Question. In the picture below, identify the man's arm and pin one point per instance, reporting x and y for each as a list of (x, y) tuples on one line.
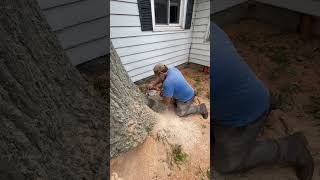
[(167, 100), (154, 84), (167, 93)]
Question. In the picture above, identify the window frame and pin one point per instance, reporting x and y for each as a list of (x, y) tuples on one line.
[(171, 27)]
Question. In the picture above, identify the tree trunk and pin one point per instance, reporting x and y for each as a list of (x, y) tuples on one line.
[(52, 124), (131, 118)]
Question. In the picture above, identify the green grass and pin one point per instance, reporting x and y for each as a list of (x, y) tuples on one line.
[(280, 57), (285, 97), (208, 173), (282, 64), (197, 79), (197, 84), (178, 155), (148, 129), (290, 88), (203, 174)]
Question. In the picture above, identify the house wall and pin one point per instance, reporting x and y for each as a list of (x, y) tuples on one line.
[(306, 6), (200, 50), (140, 50), (230, 15), (220, 5), (80, 25), (316, 29), (311, 7)]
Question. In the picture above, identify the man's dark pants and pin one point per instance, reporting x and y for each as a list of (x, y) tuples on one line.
[(236, 148), (187, 108)]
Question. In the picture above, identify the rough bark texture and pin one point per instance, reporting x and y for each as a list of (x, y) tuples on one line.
[(131, 118), (52, 125)]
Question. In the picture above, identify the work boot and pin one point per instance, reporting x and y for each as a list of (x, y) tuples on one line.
[(204, 111), (305, 165), (293, 150)]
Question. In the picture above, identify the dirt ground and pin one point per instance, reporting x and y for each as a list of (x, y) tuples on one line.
[(156, 158), (290, 67)]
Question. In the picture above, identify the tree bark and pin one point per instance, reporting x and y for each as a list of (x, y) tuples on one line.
[(131, 118), (53, 125)]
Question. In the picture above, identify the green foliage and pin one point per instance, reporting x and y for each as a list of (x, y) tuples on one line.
[(148, 129), (197, 79), (203, 174), (280, 57), (290, 88), (285, 97), (197, 84), (178, 155), (208, 173)]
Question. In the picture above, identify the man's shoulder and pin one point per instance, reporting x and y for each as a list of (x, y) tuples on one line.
[(174, 69), (167, 82)]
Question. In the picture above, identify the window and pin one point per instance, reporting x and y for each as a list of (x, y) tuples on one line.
[(168, 14), (162, 15)]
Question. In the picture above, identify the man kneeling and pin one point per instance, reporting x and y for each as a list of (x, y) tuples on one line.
[(176, 89), (240, 107)]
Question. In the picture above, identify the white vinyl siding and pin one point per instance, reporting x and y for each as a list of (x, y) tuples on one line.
[(140, 50), (200, 49), (80, 25)]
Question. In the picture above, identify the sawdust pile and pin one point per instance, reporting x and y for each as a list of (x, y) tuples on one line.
[(172, 130)]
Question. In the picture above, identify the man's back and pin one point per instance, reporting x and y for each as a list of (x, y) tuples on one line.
[(238, 96), (176, 86)]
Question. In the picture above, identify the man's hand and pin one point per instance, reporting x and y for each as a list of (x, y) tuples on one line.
[(152, 87), (149, 86)]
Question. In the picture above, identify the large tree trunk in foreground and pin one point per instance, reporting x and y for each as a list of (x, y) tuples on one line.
[(131, 118), (52, 125)]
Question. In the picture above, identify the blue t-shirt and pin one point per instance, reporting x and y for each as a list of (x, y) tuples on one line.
[(176, 86), (238, 97)]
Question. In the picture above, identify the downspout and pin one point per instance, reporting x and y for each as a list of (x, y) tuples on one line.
[(192, 27)]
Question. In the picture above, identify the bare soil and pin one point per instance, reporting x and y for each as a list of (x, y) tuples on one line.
[(154, 159), (290, 67)]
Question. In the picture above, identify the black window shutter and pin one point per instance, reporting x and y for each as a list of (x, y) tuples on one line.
[(145, 15), (189, 14)]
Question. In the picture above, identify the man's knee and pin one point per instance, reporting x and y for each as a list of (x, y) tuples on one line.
[(226, 166), (181, 110), (181, 113), (225, 163)]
